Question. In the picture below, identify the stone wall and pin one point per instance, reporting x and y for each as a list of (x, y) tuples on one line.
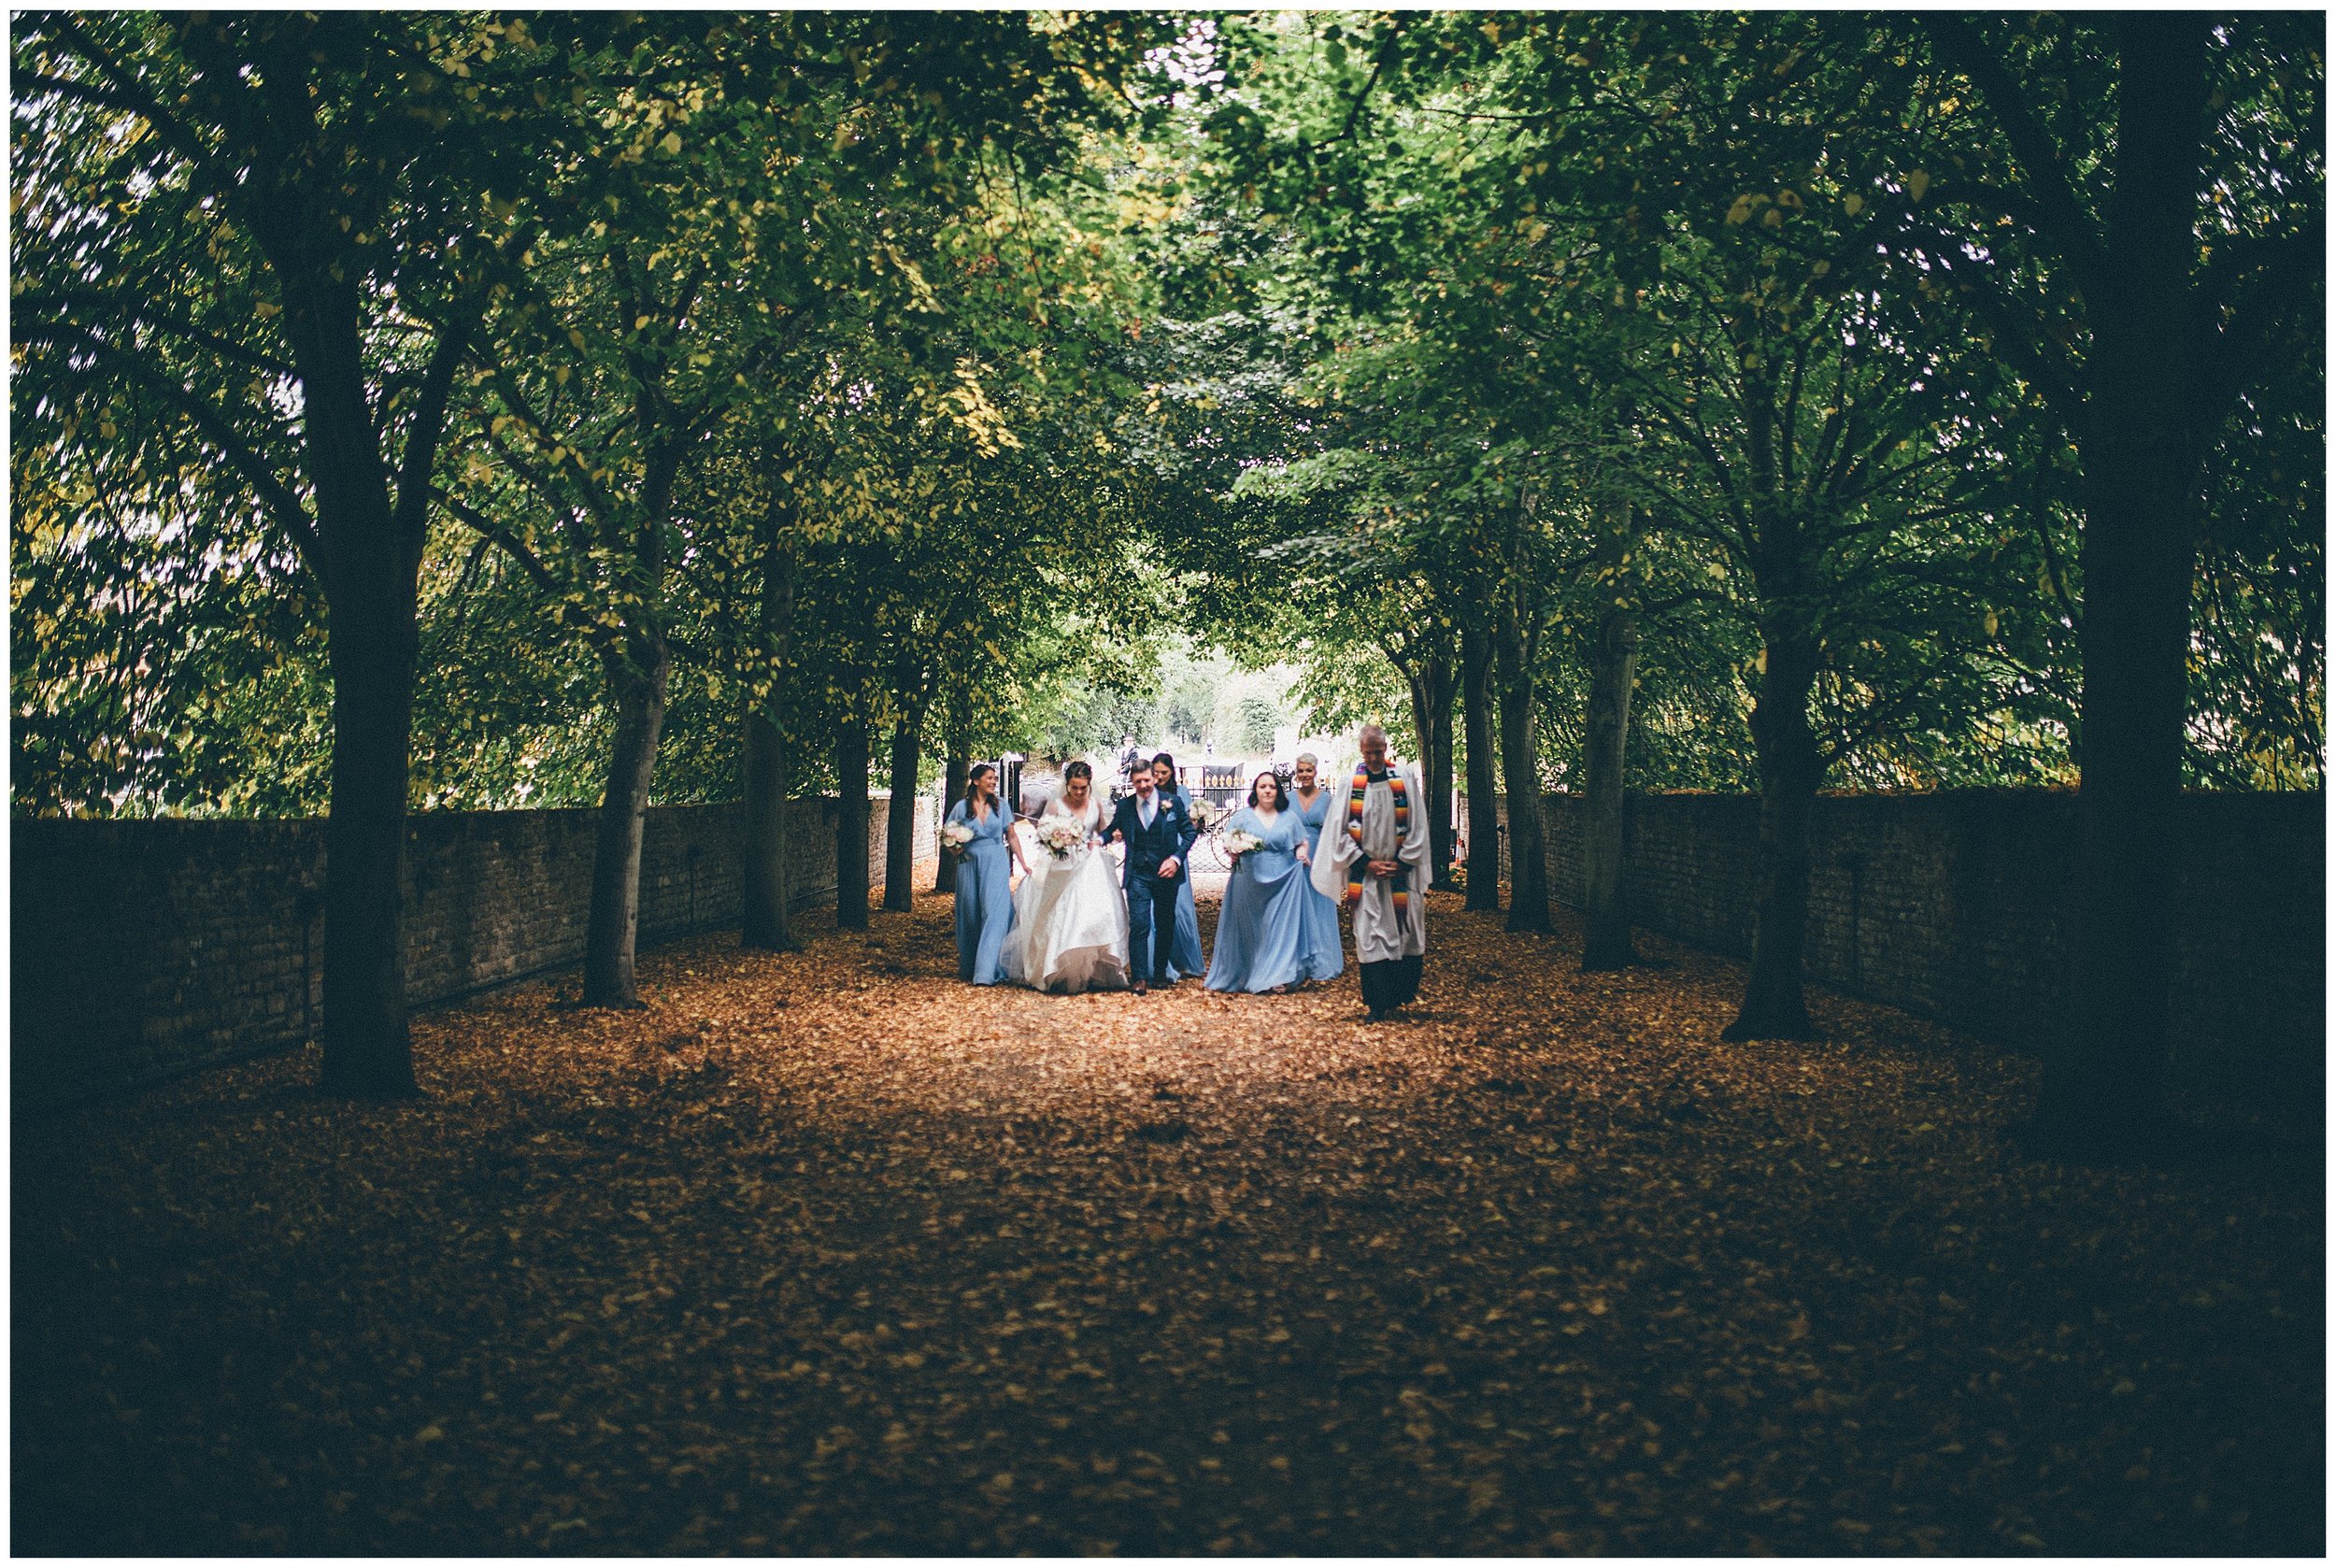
[(1954, 905), (146, 950)]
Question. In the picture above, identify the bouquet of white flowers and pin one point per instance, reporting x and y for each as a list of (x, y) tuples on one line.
[(1060, 835), (1204, 813), (1238, 841), (956, 836)]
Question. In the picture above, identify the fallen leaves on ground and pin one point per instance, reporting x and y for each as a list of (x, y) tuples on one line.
[(825, 1252)]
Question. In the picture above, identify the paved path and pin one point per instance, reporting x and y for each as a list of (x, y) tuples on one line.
[(827, 1253)]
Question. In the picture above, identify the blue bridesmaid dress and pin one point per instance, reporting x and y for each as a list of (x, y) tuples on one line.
[(985, 896), (1185, 957), (1261, 931), (1325, 956)]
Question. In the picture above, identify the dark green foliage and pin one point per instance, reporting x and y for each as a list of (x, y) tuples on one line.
[(1427, 265)]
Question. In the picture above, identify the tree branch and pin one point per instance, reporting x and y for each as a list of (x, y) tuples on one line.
[(135, 99), (2059, 214), (2259, 315), (2058, 382), (425, 429), (216, 428), (135, 312), (597, 501), (490, 530), (1379, 68)]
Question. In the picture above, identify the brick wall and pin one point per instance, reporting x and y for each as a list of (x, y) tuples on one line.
[(1953, 906), (146, 950)]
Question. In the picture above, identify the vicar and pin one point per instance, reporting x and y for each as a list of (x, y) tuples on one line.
[(1373, 855)]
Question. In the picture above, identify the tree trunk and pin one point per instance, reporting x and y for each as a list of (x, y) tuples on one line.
[(1520, 770), (852, 826), (1415, 681), (638, 678), (1774, 1008), (370, 554), (1483, 772), (1426, 661), (900, 819), (959, 763), (767, 925), (2142, 485), (373, 646), (613, 926), (1432, 714), (1605, 925)]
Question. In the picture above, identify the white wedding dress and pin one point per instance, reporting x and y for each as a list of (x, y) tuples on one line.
[(1070, 916)]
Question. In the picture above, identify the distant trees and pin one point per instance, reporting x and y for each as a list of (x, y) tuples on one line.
[(1255, 720)]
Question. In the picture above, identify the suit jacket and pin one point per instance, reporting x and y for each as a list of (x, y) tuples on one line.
[(1172, 832)]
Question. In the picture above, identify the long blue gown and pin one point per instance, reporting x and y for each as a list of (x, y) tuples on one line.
[(985, 897), (1326, 957), (1262, 932), (1185, 957)]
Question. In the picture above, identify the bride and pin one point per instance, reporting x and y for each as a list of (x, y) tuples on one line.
[(1070, 918)]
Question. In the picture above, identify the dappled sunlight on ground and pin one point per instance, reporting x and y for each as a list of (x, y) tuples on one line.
[(828, 1253)]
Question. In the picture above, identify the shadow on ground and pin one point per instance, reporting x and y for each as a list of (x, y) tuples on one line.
[(827, 1253)]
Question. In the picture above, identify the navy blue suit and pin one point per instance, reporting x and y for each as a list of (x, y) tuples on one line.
[(1151, 897)]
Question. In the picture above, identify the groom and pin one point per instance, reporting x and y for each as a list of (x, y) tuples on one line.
[(1158, 834)]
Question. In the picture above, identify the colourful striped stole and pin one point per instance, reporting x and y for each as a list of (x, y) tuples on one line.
[(1401, 881)]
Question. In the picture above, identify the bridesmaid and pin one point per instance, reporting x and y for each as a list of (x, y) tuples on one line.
[(1185, 957), (1311, 805), (985, 897), (1261, 931)]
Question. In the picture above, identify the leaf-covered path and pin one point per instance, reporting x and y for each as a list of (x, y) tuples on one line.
[(827, 1253)]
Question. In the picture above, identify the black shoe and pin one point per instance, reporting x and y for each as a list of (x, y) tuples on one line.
[(1374, 1015)]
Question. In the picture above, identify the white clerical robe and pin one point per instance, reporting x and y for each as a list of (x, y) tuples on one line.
[(1378, 938)]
